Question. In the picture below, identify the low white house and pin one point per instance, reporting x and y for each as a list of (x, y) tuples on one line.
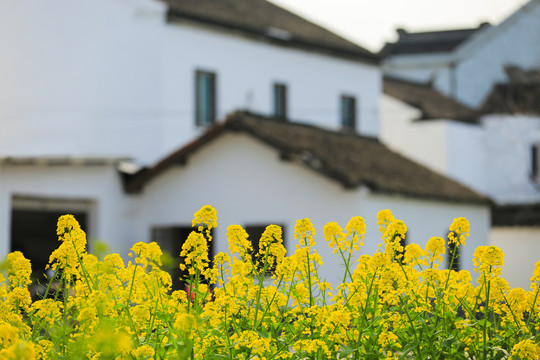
[(258, 171), (485, 133), (93, 109)]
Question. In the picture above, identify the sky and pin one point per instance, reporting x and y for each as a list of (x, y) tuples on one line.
[(371, 23)]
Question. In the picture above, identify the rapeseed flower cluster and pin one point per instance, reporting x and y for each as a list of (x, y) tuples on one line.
[(399, 303)]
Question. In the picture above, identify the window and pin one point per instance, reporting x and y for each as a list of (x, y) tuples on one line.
[(348, 112), (255, 232), (280, 101), (205, 98), (534, 162)]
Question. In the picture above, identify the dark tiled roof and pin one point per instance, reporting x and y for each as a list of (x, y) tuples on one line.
[(520, 95), (427, 42), (347, 158), (513, 99), (516, 215), (264, 20), (432, 103)]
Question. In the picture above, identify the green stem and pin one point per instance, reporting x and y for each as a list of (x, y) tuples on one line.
[(486, 313)]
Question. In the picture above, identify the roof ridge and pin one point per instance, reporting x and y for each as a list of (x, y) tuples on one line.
[(297, 30), (345, 132), (358, 162)]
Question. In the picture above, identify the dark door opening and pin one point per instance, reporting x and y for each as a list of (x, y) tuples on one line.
[(33, 232), (170, 240)]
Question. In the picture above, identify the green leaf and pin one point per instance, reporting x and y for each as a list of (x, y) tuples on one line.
[(347, 351), (483, 322)]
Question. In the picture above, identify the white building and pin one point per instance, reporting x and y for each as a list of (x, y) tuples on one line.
[(492, 146), (466, 64), (98, 94)]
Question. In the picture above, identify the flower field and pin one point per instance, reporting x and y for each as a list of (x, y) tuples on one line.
[(395, 304)]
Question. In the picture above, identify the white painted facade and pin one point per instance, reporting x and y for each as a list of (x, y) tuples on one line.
[(518, 264), (469, 72), (110, 78), (508, 154), (494, 157), (454, 149), (226, 174)]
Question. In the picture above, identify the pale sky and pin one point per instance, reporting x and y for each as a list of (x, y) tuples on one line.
[(371, 23)]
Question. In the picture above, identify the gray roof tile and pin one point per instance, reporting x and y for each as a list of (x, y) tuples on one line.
[(264, 20), (347, 158)]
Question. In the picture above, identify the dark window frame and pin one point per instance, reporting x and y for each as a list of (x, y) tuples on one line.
[(280, 94), (534, 162), (348, 114), (199, 120)]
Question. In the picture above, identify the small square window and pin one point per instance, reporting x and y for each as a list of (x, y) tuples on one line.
[(280, 101), (205, 98), (348, 112)]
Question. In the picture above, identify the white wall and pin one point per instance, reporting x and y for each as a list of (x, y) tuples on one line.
[(111, 212), (247, 184), (508, 147), (80, 78), (521, 247), (246, 70), (452, 148), (111, 78), (424, 141)]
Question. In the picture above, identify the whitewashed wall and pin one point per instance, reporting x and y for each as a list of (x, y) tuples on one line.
[(246, 70), (228, 174), (110, 211), (80, 78), (508, 147), (111, 78), (454, 149), (424, 142), (521, 247), (494, 158)]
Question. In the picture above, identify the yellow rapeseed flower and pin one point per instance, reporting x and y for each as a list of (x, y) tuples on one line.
[(526, 350), (435, 249), (384, 217), (205, 218), (458, 231), (18, 269), (304, 232), (238, 241), (334, 236), (488, 260)]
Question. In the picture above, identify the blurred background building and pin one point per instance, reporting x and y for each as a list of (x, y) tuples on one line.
[(132, 114)]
